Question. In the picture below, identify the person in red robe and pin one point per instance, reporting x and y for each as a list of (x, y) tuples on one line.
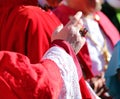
[(100, 32), (57, 74), (26, 28)]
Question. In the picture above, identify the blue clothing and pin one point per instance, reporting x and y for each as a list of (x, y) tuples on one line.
[(112, 81)]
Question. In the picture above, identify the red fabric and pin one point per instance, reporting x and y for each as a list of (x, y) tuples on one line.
[(109, 29), (83, 88), (64, 13), (17, 2), (26, 29), (19, 79)]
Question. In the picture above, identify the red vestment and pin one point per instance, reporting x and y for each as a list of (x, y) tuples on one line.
[(21, 79), (25, 28)]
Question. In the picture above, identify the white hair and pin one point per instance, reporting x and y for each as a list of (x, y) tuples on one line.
[(43, 2), (114, 3)]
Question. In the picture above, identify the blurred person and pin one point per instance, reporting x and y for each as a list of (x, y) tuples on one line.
[(26, 28), (111, 8), (101, 38), (112, 74), (56, 76)]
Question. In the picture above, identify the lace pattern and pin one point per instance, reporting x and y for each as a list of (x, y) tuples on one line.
[(70, 89)]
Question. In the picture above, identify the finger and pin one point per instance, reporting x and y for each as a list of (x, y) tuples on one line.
[(75, 19), (55, 33), (77, 22), (78, 15), (58, 29), (100, 91), (95, 86)]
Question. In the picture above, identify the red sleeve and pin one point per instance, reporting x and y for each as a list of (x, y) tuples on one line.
[(84, 89), (20, 79)]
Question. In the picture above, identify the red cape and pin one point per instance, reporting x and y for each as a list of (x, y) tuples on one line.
[(19, 79), (26, 29)]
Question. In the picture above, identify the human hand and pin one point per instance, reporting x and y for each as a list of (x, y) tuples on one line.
[(70, 32), (98, 83)]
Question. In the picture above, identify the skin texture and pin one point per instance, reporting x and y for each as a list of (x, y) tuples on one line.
[(86, 6), (70, 33)]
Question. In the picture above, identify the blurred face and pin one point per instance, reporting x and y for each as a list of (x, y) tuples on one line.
[(86, 6)]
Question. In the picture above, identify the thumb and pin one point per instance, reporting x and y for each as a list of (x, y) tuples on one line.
[(55, 33)]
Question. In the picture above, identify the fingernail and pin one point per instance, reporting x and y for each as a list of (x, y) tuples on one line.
[(78, 15)]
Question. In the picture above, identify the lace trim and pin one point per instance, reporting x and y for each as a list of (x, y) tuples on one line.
[(70, 89)]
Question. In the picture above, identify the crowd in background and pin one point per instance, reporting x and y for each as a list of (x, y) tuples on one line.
[(60, 49)]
